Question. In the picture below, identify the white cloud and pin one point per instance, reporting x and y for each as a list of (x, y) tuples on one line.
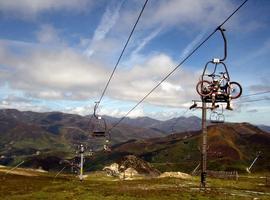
[(63, 73), (53, 73), (23, 105), (168, 87), (48, 34), (79, 110), (108, 20), (192, 44), (30, 8), (116, 112), (257, 53), (160, 17), (146, 40), (183, 13)]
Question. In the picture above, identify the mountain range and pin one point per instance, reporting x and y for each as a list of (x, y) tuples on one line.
[(25, 133), (44, 139)]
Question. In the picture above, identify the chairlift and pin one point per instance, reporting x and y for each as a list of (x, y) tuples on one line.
[(98, 129), (98, 126), (91, 153), (216, 117), (217, 86)]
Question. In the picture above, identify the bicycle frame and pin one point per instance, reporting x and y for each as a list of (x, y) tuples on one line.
[(220, 80)]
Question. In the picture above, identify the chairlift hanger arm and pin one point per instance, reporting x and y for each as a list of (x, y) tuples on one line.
[(222, 30), (95, 109), (219, 61)]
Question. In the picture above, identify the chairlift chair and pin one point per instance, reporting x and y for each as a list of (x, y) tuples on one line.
[(222, 93), (99, 127), (216, 117)]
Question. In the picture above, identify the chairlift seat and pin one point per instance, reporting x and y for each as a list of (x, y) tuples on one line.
[(217, 121), (98, 134), (220, 98)]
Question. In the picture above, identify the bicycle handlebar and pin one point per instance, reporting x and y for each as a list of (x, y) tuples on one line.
[(213, 75), (222, 73), (216, 75)]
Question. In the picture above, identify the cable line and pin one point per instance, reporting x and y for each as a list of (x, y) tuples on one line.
[(258, 93), (186, 58), (249, 95), (253, 100), (122, 52)]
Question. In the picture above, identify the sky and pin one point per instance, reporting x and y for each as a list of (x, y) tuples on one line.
[(57, 55)]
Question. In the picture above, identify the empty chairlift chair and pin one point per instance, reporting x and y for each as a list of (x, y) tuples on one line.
[(216, 117), (98, 130), (98, 127)]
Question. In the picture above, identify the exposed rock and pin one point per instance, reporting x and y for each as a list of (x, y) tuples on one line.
[(141, 166), (175, 175), (112, 170), (129, 173), (131, 166)]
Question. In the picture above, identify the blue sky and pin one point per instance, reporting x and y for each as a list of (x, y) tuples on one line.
[(57, 55)]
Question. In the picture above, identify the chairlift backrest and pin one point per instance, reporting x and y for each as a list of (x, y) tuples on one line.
[(98, 127)]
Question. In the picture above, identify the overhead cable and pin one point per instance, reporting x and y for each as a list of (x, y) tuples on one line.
[(186, 58), (120, 57)]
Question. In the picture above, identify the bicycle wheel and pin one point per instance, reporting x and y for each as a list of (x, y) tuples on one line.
[(235, 90), (204, 88)]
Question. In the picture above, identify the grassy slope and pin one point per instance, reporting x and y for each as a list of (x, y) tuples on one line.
[(44, 186)]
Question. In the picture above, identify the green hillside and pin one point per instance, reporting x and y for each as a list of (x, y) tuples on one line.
[(230, 147)]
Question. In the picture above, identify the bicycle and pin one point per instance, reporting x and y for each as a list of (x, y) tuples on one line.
[(221, 86)]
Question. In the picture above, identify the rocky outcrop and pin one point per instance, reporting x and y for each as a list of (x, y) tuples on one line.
[(175, 175), (141, 166), (131, 166), (112, 170)]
